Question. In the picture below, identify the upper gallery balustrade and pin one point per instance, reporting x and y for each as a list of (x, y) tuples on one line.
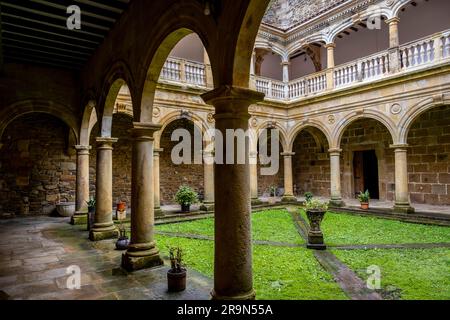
[(412, 56)]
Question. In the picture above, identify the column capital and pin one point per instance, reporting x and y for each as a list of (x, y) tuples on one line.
[(145, 130), (105, 142), (399, 147), (232, 101), (288, 154), (393, 20), (330, 45), (82, 148), (335, 151), (285, 63)]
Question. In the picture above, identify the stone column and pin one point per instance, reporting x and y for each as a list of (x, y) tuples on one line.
[(233, 279), (82, 187), (103, 227), (288, 181), (253, 156), (402, 203), (285, 65), (330, 65), (335, 172), (208, 182), (156, 180), (394, 54), (393, 32), (142, 252)]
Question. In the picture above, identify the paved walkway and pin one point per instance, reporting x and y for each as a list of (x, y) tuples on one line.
[(36, 252)]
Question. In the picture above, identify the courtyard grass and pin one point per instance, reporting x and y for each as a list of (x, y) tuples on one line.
[(270, 225), (348, 229), (409, 274), (279, 273)]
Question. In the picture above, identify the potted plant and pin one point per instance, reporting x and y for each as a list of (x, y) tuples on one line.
[(273, 194), (123, 242), (121, 210), (308, 196), (176, 276), (315, 211), (185, 197), (364, 198), (91, 212)]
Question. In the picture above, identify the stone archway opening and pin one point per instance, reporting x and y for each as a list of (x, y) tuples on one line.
[(311, 163), (37, 165), (368, 160), (429, 157), (172, 175)]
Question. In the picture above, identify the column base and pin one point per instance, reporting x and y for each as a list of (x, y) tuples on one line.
[(98, 234), (138, 260), (289, 199), (246, 296), (207, 206), (158, 213), (256, 202), (403, 208), (79, 218), (336, 203)]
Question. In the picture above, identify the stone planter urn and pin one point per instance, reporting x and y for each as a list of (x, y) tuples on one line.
[(66, 209), (315, 235)]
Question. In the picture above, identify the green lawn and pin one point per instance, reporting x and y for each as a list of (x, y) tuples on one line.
[(279, 273), (343, 229), (271, 225), (293, 273), (419, 274)]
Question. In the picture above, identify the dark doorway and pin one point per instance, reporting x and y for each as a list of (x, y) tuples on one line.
[(365, 172)]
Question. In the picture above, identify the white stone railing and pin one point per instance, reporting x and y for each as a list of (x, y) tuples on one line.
[(311, 84), (184, 71), (273, 89), (411, 56)]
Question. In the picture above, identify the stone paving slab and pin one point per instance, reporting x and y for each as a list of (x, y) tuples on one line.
[(36, 252)]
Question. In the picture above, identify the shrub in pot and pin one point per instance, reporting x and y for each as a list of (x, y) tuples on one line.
[(185, 197), (273, 194), (176, 276), (91, 213), (315, 211), (123, 242), (364, 198), (308, 196)]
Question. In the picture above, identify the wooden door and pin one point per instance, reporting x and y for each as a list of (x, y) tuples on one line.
[(358, 171)]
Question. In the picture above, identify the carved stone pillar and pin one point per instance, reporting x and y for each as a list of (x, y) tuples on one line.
[(330, 65), (233, 277), (394, 42), (208, 176), (103, 227), (288, 180), (142, 252), (402, 203), (82, 185), (156, 180), (335, 172)]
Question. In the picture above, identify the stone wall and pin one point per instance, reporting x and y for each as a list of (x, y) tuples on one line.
[(429, 157), (122, 153), (37, 169), (311, 164), (173, 176)]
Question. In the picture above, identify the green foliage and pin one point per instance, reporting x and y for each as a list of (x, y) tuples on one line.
[(91, 203), (316, 205), (270, 225), (347, 229), (176, 259), (418, 274), (273, 191), (308, 196), (364, 197), (186, 196)]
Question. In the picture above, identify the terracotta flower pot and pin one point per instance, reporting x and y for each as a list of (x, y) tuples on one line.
[(121, 206), (365, 205), (176, 281)]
